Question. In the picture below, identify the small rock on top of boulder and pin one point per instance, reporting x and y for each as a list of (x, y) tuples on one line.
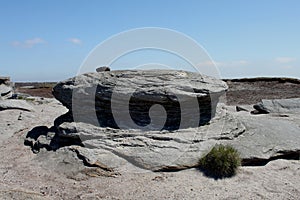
[(103, 69)]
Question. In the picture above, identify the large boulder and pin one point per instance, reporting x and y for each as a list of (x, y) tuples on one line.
[(113, 98), (6, 87)]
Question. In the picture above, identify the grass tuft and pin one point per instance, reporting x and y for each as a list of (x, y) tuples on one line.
[(222, 161)]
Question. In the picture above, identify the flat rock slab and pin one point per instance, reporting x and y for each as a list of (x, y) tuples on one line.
[(152, 150), (267, 136), (282, 105), (14, 120), (15, 104), (256, 137)]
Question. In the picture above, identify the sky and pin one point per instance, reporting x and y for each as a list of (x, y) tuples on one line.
[(49, 40)]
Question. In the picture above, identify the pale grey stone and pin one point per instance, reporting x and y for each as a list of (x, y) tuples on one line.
[(15, 104), (268, 136), (282, 105)]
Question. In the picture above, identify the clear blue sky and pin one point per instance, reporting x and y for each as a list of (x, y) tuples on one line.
[(48, 40)]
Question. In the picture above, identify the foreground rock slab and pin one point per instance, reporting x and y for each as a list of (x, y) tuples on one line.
[(258, 138)]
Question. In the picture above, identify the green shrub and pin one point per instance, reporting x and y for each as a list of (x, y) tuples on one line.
[(221, 161)]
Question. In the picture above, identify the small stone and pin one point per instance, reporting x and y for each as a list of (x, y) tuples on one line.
[(239, 108), (260, 109), (20, 116), (103, 69)]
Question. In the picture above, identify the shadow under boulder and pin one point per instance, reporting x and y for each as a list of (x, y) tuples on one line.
[(48, 138)]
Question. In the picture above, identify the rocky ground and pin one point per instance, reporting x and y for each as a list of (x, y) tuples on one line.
[(30, 172)]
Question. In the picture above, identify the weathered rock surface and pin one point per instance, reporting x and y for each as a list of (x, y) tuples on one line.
[(15, 104), (42, 110), (5, 88), (258, 138), (61, 174), (189, 100), (281, 105), (152, 150), (268, 137)]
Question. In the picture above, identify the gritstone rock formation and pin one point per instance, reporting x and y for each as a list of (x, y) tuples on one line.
[(6, 88), (258, 138), (189, 99)]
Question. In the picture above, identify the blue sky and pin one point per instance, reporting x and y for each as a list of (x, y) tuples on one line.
[(48, 40)]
